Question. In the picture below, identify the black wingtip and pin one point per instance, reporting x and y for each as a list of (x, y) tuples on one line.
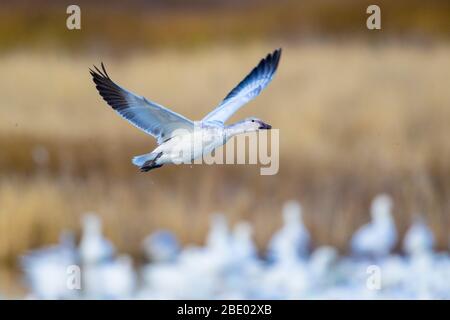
[(97, 73), (93, 73), (279, 51), (276, 52), (272, 58), (276, 56), (107, 89), (104, 70)]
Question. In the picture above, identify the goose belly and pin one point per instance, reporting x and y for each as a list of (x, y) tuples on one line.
[(184, 149)]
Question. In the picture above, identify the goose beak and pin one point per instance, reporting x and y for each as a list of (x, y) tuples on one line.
[(265, 126)]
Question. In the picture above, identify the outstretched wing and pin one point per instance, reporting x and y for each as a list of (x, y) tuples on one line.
[(247, 89), (148, 116)]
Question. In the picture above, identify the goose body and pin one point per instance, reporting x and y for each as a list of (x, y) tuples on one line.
[(185, 147), (181, 140), (377, 238)]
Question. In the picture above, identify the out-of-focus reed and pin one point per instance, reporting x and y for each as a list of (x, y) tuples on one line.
[(354, 120)]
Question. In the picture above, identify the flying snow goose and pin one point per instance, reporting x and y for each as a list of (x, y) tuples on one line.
[(176, 134)]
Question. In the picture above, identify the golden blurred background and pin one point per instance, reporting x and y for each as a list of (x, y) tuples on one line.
[(359, 112)]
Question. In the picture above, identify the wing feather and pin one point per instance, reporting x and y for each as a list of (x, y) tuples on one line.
[(148, 116), (247, 89)]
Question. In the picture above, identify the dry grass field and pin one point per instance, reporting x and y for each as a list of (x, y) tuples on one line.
[(355, 120)]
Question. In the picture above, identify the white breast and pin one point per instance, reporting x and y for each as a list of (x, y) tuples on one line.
[(190, 146)]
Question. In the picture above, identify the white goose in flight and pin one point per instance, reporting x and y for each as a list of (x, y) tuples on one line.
[(178, 136)]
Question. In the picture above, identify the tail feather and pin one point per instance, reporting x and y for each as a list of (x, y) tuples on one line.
[(147, 162), (142, 159), (146, 168)]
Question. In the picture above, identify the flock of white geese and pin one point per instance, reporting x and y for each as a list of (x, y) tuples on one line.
[(229, 266)]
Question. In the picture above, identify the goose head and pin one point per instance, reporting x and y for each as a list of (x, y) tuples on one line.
[(381, 208), (254, 124), (249, 125)]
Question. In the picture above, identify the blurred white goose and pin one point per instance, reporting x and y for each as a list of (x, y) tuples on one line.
[(287, 279), (176, 134), (218, 250), (377, 238), (173, 281), (218, 238), (46, 270), (161, 246), (321, 264), (419, 238), (114, 279), (291, 242), (288, 276), (198, 271), (243, 247), (104, 276), (94, 248), (243, 278)]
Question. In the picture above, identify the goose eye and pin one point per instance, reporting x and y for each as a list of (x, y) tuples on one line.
[(253, 120)]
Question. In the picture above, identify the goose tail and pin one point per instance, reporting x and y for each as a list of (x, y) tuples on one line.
[(142, 159), (147, 161)]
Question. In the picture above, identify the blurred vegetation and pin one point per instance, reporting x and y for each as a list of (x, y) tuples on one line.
[(151, 24), (359, 112), (354, 120)]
